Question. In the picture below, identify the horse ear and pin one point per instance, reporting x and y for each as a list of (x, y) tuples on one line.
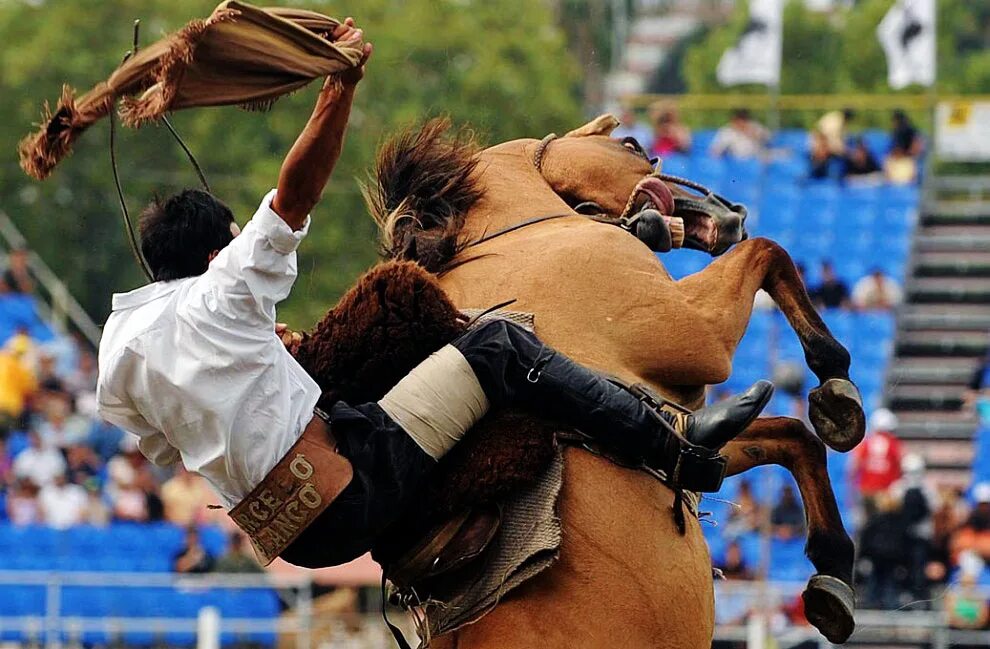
[(601, 125)]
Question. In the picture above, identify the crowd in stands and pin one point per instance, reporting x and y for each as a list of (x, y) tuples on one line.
[(832, 151), (914, 542), (61, 465)]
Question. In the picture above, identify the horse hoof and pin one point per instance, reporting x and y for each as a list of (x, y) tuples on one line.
[(836, 412), (829, 604)]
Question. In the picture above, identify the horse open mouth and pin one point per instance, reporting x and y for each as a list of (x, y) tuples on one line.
[(651, 192)]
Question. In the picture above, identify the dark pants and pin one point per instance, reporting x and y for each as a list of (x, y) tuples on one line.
[(389, 467), (513, 367)]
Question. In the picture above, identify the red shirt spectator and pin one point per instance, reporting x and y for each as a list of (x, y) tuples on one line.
[(877, 460)]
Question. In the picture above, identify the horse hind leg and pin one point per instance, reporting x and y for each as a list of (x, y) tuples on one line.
[(829, 599)]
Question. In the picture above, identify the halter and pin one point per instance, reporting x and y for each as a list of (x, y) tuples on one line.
[(709, 203)]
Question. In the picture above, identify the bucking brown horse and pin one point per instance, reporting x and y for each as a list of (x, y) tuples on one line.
[(500, 224), (479, 219)]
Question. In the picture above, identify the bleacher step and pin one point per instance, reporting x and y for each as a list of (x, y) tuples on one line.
[(943, 425), (957, 212), (966, 290), (960, 317), (971, 344), (953, 239), (942, 454), (941, 264), (938, 371), (927, 396)]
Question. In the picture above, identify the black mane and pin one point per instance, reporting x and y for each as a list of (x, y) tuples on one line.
[(420, 192)]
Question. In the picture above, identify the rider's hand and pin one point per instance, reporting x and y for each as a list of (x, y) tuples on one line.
[(346, 32), (291, 339)]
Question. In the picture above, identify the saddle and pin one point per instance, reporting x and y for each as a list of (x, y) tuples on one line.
[(391, 320)]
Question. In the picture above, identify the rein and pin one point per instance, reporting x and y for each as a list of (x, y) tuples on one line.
[(128, 223)]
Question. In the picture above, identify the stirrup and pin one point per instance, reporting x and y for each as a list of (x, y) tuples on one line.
[(693, 467)]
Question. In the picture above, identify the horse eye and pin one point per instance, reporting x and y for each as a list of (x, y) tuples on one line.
[(633, 145)]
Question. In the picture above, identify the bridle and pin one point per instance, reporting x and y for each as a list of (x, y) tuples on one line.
[(709, 203)]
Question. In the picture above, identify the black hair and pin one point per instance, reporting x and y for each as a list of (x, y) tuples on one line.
[(849, 114), (179, 233), (740, 113), (899, 116)]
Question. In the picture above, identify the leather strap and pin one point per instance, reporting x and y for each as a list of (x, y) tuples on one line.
[(295, 492)]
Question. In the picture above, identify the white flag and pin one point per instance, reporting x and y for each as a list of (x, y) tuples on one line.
[(907, 34), (755, 58)]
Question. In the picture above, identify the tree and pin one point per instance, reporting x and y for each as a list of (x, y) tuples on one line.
[(838, 52), (502, 67)]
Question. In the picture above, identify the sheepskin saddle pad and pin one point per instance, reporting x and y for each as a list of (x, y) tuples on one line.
[(391, 320)]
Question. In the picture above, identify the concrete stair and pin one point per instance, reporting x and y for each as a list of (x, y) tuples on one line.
[(942, 329)]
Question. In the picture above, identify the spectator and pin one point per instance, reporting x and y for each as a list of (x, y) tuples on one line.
[(820, 158), (747, 515), (975, 533), (832, 292), (881, 551), (63, 504), (193, 557), (17, 277), (861, 165), (22, 503), (876, 462), (977, 394), (128, 499), (105, 439), (59, 426), (17, 382), (733, 566), (904, 135), (669, 134), (966, 603), (948, 517), (787, 517), (833, 126), (916, 509), (96, 512), (876, 291), (743, 137), (900, 168), (631, 126), (238, 558), (38, 463), (83, 463), (185, 497), (83, 378)]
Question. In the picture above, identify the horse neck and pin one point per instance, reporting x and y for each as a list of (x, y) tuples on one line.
[(514, 190)]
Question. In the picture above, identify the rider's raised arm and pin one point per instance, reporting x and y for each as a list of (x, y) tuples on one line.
[(308, 165)]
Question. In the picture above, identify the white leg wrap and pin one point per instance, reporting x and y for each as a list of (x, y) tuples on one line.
[(437, 402)]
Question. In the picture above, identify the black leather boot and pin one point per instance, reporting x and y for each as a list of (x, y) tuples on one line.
[(515, 368)]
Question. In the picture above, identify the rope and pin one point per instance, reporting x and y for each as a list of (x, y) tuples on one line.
[(128, 223)]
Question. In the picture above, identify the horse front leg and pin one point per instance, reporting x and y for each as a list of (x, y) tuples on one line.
[(829, 600), (729, 285)]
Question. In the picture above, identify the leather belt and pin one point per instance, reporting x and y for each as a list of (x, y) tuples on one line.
[(295, 492)]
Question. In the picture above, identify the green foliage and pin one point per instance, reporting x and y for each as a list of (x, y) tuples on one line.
[(838, 52), (502, 67)]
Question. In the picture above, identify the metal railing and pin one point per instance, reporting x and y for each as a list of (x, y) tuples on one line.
[(759, 618), (58, 627), (60, 306)]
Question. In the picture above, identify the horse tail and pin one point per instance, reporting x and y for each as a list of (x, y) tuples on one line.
[(422, 186)]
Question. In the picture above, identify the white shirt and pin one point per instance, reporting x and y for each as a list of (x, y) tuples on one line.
[(63, 506), (39, 465), (194, 368)]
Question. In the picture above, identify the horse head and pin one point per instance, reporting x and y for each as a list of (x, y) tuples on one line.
[(593, 171), (427, 182)]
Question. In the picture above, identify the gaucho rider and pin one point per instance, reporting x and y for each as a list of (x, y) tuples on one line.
[(193, 366)]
